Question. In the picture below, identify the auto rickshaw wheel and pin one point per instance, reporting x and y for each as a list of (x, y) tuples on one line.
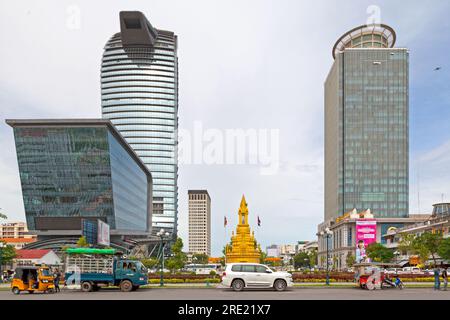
[(30, 291), (50, 291), (15, 290)]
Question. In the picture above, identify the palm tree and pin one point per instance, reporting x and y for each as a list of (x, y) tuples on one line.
[(2, 216)]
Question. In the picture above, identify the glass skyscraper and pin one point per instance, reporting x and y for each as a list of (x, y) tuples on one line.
[(81, 169), (366, 125), (139, 87)]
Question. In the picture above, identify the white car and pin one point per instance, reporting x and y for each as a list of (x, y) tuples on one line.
[(252, 275)]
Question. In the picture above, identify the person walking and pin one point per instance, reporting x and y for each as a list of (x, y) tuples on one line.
[(437, 281), (445, 278), (57, 278)]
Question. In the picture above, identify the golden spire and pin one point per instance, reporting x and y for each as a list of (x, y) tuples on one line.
[(243, 246)]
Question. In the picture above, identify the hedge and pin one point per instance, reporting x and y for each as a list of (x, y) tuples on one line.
[(174, 280)]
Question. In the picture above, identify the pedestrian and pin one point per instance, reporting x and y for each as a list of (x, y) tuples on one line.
[(57, 278), (437, 281), (445, 278)]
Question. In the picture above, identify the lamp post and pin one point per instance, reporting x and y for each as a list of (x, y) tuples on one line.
[(327, 234), (2, 245), (162, 235)]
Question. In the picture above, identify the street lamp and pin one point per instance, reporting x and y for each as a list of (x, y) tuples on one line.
[(2, 245), (162, 234), (327, 234)]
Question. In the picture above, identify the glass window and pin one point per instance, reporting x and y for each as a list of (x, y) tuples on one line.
[(248, 268)]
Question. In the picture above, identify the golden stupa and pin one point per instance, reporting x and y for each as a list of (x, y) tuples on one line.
[(243, 247)]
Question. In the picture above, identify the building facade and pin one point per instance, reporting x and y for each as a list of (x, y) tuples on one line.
[(199, 222), (139, 91), (81, 169), (366, 125), (343, 239), (16, 234)]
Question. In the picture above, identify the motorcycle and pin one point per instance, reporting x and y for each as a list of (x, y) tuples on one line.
[(397, 283)]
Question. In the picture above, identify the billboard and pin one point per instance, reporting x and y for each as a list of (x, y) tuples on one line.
[(366, 230), (103, 233)]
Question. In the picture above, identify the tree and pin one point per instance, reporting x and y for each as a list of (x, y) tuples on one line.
[(301, 260), (379, 253), (429, 243), (444, 249), (200, 258), (8, 253), (150, 263), (313, 258), (262, 257), (178, 258), (82, 242), (350, 260), (406, 244), (2, 216)]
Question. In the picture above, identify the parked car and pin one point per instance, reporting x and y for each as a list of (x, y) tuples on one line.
[(239, 276), (414, 270)]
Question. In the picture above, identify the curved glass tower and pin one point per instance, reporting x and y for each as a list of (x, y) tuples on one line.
[(139, 87), (366, 125)]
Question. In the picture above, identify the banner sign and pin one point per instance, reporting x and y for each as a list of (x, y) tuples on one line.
[(366, 230)]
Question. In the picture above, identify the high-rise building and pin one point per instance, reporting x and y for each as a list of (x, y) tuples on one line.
[(78, 169), (199, 222), (366, 125), (139, 88)]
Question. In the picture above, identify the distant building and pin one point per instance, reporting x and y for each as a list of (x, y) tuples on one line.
[(81, 169), (310, 246), (16, 234), (199, 222), (273, 251), (36, 256)]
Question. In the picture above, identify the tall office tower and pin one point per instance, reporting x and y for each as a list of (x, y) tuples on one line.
[(139, 86), (199, 222), (366, 125)]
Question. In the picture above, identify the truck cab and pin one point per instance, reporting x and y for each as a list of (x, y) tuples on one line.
[(132, 271)]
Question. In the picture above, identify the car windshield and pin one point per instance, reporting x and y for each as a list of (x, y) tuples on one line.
[(45, 272), (141, 267)]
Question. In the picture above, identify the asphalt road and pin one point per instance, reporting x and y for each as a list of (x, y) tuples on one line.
[(227, 294)]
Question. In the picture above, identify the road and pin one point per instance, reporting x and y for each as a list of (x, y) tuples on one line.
[(226, 294)]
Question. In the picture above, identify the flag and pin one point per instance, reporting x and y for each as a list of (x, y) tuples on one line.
[(225, 221), (259, 222)]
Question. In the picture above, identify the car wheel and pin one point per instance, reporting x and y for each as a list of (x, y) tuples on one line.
[(238, 285), (280, 285), (15, 290), (126, 286), (87, 286)]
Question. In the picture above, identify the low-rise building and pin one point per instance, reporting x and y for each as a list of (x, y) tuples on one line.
[(36, 256), (437, 222), (347, 230)]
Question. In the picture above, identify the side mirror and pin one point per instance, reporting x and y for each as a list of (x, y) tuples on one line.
[(268, 271)]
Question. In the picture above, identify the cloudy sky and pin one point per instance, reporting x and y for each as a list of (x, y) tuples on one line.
[(242, 64)]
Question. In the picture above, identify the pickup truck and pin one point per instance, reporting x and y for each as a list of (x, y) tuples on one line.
[(95, 268)]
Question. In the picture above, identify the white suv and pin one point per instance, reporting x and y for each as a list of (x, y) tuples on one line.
[(251, 275)]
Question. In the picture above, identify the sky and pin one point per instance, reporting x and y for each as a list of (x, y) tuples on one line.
[(242, 65)]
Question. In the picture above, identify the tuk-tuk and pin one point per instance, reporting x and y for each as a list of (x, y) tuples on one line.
[(33, 279), (371, 275)]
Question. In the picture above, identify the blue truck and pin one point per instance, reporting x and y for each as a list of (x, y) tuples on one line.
[(95, 268)]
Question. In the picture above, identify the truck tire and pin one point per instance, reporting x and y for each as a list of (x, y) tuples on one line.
[(87, 286), (126, 286)]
